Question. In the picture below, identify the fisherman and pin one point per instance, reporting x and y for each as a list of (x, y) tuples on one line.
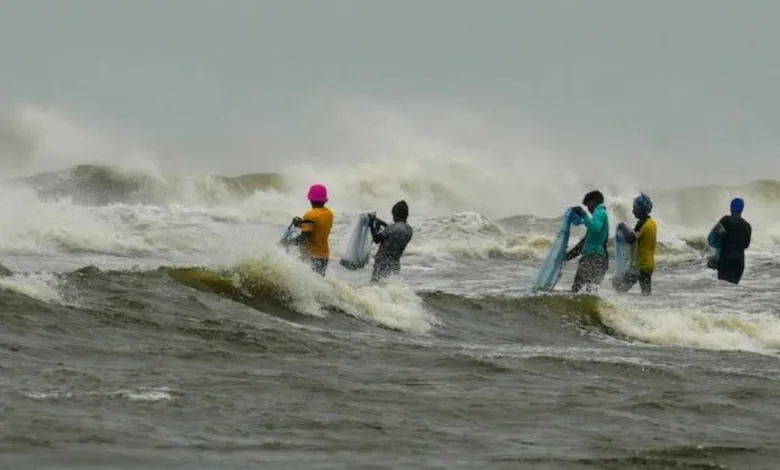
[(315, 226), (594, 263), (392, 240), (734, 234), (643, 245)]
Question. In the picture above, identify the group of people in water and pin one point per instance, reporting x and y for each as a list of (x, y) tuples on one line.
[(732, 234), (592, 249), (317, 223), (731, 237)]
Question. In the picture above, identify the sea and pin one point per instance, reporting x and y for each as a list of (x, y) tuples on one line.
[(150, 320)]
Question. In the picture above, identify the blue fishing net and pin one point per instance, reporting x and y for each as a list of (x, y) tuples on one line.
[(551, 269), (622, 257)]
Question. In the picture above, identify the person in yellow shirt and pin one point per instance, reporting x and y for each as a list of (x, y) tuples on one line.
[(315, 228), (643, 241)]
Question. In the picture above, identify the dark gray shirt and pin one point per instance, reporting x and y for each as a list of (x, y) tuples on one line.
[(392, 241)]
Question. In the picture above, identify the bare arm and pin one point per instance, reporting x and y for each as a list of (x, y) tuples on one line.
[(376, 230)]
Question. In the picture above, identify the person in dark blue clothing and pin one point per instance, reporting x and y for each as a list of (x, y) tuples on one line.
[(734, 234)]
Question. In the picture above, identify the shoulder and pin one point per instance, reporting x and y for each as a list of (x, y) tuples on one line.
[(394, 227), (399, 228), (651, 225), (318, 214), (309, 214), (406, 230)]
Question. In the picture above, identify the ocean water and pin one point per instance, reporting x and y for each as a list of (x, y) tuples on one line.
[(150, 321)]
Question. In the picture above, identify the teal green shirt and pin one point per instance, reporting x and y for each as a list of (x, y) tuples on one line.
[(598, 231)]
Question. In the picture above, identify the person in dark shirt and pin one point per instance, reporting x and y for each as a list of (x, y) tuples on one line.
[(392, 240), (734, 234)]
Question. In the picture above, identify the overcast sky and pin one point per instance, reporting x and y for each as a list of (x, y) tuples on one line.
[(688, 84)]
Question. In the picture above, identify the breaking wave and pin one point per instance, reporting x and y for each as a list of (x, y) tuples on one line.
[(289, 291)]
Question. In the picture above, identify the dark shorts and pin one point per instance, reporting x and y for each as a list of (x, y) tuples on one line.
[(625, 283), (590, 272), (384, 269), (731, 269), (319, 265)]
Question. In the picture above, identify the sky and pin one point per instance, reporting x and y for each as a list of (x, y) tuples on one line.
[(672, 92)]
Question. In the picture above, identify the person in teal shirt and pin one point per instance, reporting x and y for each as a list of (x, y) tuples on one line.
[(594, 262)]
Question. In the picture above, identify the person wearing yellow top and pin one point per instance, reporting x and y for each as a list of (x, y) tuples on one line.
[(643, 240), (315, 226)]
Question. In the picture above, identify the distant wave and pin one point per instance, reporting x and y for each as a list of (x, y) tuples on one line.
[(88, 222), (103, 184), (100, 185)]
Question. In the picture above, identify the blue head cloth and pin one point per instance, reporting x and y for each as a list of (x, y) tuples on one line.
[(737, 205), (643, 205)]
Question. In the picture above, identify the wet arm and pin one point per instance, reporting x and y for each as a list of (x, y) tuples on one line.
[(376, 233), (631, 237), (748, 235)]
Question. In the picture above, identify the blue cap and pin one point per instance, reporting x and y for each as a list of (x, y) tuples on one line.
[(737, 205), (643, 204)]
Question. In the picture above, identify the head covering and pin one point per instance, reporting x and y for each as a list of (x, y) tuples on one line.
[(318, 194), (593, 196), (400, 210), (643, 204), (737, 205)]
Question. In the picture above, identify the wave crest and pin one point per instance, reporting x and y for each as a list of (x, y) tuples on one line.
[(101, 185)]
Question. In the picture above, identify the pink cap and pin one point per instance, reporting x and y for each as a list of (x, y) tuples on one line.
[(318, 193)]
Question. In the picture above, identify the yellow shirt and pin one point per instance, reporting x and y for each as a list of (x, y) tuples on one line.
[(643, 252), (318, 221)]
